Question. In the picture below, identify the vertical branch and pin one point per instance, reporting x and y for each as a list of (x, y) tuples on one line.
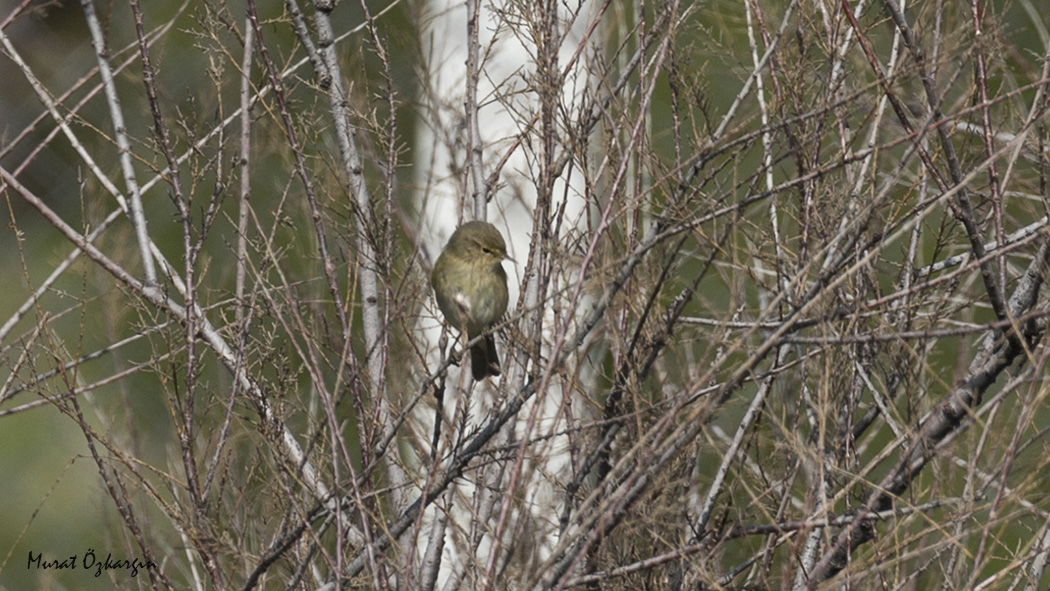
[(137, 216), (244, 206), (187, 431), (981, 80), (961, 205), (375, 334), (300, 169), (475, 146)]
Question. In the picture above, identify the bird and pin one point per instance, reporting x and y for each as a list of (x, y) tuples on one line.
[(470, 286)]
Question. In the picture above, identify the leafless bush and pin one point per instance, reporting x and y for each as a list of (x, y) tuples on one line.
[(779, 270)]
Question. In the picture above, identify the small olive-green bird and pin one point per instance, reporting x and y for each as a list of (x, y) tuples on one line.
[(470, 286)]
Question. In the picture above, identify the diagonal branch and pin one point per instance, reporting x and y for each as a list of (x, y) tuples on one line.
[(998, 351)]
